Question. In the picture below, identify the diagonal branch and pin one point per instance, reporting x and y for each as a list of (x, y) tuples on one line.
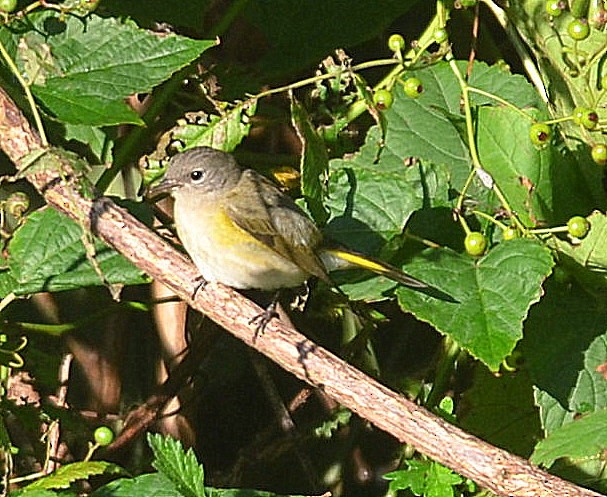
[(493, 468)]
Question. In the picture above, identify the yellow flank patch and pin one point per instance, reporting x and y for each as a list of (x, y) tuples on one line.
[(226, 233)]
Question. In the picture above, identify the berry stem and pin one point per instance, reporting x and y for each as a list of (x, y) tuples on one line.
[(559, 120), (491, 219), (460, 201), (549, 231)]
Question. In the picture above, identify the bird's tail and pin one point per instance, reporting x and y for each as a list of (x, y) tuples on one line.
[(340, 258)]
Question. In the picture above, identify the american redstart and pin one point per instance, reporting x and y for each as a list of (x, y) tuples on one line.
[(240, 229)]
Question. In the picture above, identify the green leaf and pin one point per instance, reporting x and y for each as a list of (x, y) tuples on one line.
[(150, 485), (583, 438), (521, 171), (178, 466), (93, 64), (564, 348), (501, 410), (38, 493), (69, 473), (371, 201), (425, 478), (492, 295), (224, 132), (47, 253), (314, 162)]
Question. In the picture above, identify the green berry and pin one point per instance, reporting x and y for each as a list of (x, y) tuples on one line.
[(396, 42), (578, 226), (103, 436), (555, 7), (579, 29), (383, 99), (475, 243), (510, 233), (540, 134), (441, 35), (468, 3), (578, 113), (590, 119), (8, 5), (585, 117), (599, 154), (413, 87)]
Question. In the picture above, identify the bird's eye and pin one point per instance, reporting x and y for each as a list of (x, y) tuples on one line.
[(197, 175)]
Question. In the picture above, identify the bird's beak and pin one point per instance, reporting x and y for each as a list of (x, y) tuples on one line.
[(166, 185)]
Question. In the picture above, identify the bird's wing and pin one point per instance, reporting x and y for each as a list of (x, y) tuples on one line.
[(275, 220)]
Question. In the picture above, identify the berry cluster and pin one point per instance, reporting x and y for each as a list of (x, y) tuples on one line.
[(582, 20), (412, 86)]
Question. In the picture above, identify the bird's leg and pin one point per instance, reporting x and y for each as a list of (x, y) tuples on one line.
[(200, 284), (262, 319)]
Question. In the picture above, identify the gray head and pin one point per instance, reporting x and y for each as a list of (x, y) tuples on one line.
[(200, 169)]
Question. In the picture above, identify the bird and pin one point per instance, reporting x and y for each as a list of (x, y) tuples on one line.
[(242, 230)]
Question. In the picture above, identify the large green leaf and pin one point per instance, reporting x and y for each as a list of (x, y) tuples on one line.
[(491, 295), (83, 69), (541, 186), (431, 127), (564, 345), (68, 474), (179, 466), (372, 194), (47, 253)]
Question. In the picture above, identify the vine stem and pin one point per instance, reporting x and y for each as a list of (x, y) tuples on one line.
[(460, 201), (28, 94), (549, 231), (321, 77), (476, 163)]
